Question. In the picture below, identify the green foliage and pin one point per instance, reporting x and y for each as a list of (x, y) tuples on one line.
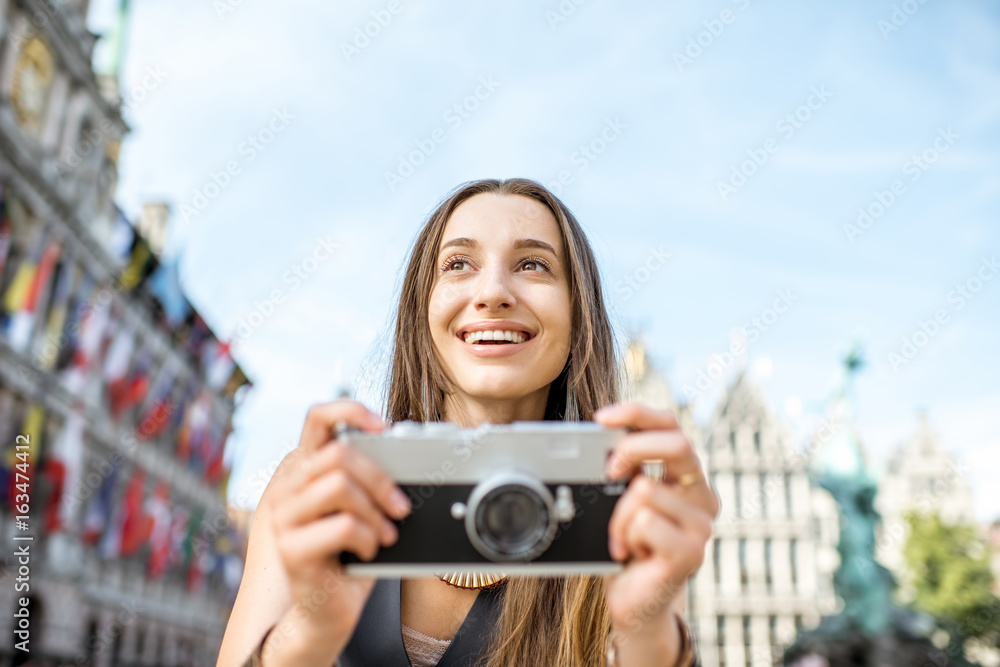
[(951, 576)]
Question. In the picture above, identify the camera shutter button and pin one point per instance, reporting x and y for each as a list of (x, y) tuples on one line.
[(564, 508), (458, 511)]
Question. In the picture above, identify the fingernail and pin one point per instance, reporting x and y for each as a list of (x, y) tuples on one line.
[(389, 532), (400, 503)]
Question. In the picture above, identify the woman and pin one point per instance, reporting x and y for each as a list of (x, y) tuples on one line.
[(495, 256)]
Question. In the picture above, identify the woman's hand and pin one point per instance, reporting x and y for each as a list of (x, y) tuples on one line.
[(659, 529), (333, 499)]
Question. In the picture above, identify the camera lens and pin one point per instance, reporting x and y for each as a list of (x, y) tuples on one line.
[(511, 518)]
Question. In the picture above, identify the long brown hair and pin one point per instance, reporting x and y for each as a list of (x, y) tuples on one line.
[(544, 621)]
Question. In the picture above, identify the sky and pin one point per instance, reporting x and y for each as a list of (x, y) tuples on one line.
[(727, 160)]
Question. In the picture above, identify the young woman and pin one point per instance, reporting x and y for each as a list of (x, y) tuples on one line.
[(495, 256)]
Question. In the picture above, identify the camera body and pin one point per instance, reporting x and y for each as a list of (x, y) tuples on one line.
[(527, 498)]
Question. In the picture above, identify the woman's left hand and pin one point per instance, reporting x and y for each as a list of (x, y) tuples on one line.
[(659, 529)]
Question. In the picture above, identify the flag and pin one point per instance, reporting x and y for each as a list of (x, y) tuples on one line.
[(6, 228), (158, 407), (94, 320), (97, 517), (55, 341), (139, 265), (164, 283), (136, 524), (158, 509), (178, 534), (116, 366), (21, 298), (23, 461), (218, 364), (63, 470), (194, 431)]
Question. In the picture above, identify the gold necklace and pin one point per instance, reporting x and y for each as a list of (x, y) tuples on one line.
[(472, 579)]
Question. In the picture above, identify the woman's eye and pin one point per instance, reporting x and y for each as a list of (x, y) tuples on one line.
[(459, 262), (530, 266)]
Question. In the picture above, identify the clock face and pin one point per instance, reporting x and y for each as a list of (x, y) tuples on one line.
[(32, 82)]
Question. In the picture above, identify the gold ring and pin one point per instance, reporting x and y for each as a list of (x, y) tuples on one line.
[(688, 479)]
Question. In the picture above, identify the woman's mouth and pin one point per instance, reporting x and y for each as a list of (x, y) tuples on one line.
[(495, 337)]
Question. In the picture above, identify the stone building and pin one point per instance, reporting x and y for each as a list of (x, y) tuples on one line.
[(119, 394), (769, 568), (920, 476)]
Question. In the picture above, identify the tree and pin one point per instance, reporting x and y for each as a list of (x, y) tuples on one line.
[(949, 568)]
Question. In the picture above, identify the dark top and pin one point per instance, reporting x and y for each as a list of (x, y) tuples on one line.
[(378, 638)]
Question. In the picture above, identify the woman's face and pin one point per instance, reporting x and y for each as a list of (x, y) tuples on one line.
[(501, 268)]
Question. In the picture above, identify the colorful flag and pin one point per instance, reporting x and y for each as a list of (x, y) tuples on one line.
[(97, 517), (93, 322), (21, 298), (178, 535), (158, 407), (63, 470), (136, 524), (218, 363), (30, 435), (158, 509), (55, 341), (116, 366)]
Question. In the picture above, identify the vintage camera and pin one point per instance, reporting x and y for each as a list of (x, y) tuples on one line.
[(527, 498)]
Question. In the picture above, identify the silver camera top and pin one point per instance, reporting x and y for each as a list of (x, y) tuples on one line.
[(413, 453)]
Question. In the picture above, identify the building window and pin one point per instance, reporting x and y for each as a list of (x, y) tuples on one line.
[(738, 491), (793, 548), (768, 579), (798, 624), (772, 636), (747, 643), (756, 441), (788, 495), (717, 560), (762, 480), (744, 574), (720, 639)]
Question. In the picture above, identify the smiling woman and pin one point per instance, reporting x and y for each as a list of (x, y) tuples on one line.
[(501, 319)]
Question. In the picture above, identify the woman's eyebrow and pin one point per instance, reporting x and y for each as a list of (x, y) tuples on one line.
[(519, 244), (534, 243), (460, 242)]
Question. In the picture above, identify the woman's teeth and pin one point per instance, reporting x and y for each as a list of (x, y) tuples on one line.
[(494, 336)]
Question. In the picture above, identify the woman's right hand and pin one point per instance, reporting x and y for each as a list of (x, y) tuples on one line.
[(333, 499)]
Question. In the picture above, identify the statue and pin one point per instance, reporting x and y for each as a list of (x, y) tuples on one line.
[(870, 631)]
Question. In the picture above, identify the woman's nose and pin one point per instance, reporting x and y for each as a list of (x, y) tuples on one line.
[(493, 290)]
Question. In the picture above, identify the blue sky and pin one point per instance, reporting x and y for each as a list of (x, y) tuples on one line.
[(832, 105)]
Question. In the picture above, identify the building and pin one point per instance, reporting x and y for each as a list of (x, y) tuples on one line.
[(768, 570), (116, 398), (920, 476)]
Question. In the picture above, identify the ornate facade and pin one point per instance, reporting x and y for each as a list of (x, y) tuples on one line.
[(769, 568), (119, 392)]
